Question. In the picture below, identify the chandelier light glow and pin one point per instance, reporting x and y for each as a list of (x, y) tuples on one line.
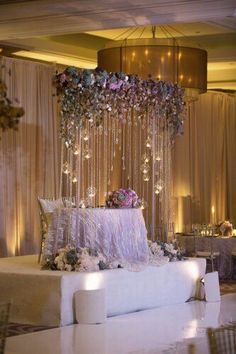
[(160, 59)]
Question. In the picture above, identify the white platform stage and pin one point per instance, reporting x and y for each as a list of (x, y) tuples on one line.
[(46, 297)]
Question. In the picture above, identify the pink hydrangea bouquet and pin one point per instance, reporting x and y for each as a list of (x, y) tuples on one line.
[(123, 198)]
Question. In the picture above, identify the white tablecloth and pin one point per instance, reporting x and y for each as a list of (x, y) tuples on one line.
[(119, 234), (225, 245)]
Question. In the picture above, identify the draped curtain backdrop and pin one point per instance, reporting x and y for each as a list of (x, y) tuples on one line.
[(204, 168), (29, 159)]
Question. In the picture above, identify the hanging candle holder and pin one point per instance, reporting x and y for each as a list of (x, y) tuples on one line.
[(145, 168), (66, 168), (87, 154), (91, 192), (85, 135), (76, 149), (146, 177)]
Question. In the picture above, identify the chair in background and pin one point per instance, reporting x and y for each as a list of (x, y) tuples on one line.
[(233, 265), (4, 316), (209, 254), (222, 340), (46, 208), (165, 232)]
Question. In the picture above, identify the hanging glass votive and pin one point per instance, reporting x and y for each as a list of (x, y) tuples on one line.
[(146, 177), (76, 149), (85, 135), (82, 204), (91, 192), (145, 168), (66, 168), (148, 143), (158, 187), (157, 157), (143, 204), (87, 153), (145, 158), (74, 179)]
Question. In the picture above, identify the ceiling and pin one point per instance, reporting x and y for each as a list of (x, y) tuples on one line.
[(71, 32)]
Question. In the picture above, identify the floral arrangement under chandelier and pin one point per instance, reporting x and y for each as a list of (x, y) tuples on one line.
[(9, 114), (87, 94), (123, 198), (112, 121)]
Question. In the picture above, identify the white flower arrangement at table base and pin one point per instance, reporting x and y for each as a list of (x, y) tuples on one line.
[(161, 253), (82, 259)]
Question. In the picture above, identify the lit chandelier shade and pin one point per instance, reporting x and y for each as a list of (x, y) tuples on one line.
[(158, 59)]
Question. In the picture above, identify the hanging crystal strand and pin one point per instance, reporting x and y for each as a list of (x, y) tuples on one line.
[(92, 133), (112, 149), (61, 165), (134, 144), (123, 152), (100, 138), (71, 174), (105, 150), (153, 209), (78, 169), (109, 120), (130, 146), (83, 171)]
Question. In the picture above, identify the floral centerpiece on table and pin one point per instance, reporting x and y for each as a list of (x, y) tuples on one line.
[(226, 228), (82, 259), (163, 249), (123, 198)]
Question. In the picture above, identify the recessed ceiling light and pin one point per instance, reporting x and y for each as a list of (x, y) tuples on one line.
[(59, 59)]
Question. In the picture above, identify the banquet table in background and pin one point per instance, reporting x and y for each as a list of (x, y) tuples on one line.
[(223, 244), (119, 234)]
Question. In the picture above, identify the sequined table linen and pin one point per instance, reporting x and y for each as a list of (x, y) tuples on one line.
[(119, 234)]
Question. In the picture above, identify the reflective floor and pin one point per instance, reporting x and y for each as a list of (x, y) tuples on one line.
[(164, 330)]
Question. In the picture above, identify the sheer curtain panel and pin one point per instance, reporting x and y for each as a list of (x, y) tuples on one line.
[(29, 158)]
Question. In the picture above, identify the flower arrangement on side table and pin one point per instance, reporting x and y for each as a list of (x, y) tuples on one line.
[(226, 228), (123, 198), (82, 259)]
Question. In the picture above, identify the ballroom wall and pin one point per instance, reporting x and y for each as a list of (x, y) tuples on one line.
[(204, 168)]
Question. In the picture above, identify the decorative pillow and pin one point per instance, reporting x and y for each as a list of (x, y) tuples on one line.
[(50, 205)]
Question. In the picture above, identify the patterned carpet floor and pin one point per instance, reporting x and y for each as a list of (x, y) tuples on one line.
[(15, 329)]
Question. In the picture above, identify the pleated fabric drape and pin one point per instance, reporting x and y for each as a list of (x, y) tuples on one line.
[(29, 158), (204, 168)]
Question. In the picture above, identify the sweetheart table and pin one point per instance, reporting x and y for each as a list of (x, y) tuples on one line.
[(119, 234)]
